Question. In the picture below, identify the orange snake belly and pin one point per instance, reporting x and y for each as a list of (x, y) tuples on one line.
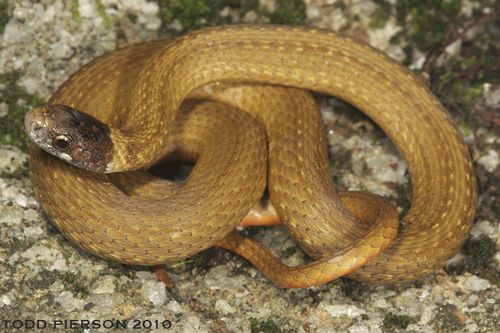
[(137, 92)]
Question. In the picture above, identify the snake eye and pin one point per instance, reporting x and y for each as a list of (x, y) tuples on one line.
[(62, 142)]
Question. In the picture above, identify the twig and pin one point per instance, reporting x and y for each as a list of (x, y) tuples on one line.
[(433, 53)]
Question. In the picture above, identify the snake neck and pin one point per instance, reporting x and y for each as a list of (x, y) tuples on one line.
[(134, 150), (84, 141)]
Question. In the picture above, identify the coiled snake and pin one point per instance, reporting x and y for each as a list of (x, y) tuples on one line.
[(136, 92)]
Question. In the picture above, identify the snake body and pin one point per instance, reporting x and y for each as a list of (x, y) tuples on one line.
[(136, 93)]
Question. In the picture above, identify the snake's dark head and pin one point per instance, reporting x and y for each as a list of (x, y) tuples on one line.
[(71, 135)]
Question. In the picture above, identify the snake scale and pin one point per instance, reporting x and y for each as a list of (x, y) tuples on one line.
[(136, 92)]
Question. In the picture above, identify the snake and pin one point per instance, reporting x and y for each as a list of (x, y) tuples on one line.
[(118, 114)]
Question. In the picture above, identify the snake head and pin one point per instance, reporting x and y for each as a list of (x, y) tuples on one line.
[(71, 135)]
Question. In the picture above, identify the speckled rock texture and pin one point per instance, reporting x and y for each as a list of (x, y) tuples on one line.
[(49, 282)]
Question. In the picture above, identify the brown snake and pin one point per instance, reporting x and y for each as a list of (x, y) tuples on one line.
[(137, 91)]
